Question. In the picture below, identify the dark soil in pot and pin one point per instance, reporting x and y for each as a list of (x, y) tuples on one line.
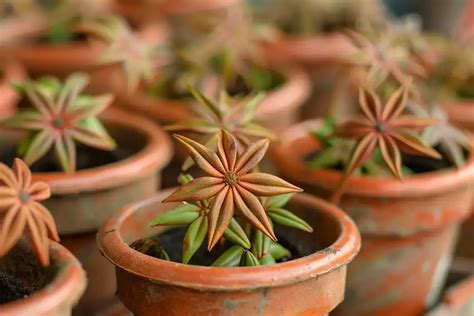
[(21, 274)]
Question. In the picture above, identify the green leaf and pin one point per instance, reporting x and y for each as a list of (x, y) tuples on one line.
[(181, 215), (194, 237), (249, 260), (278, 251), (207, 103), (278, 201), (19, 87), (286, 218), (267, 260), (230, 258), (251, 106), (327, 128), (185, 178), (261, 244), (257, 130), (236, 234)]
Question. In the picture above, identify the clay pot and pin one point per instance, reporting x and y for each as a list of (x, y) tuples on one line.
[(56, 298), (82, 201), (408, 227), (311, 285), (278, 110), (11, 72)]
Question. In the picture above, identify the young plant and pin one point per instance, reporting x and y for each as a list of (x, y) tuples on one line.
[(213, 204), (386, 128), (21, 211), (60, 117)]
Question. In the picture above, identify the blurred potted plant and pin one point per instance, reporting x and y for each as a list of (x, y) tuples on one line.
[(10, 71), (37, 275), (241, 211), (91, 172), (225, 49), (408, 227)]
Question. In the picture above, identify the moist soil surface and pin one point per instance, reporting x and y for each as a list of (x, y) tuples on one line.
[(21, 274), (172, 242)]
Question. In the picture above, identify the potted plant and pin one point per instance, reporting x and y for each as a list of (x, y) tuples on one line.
[(94, 168), (10, 71), (408, 227), (225, 49), (241, 211), (37, 275)]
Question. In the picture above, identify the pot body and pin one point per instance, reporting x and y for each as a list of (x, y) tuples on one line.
[(312, 285), (82, 201), (408, 228), (59, 296)]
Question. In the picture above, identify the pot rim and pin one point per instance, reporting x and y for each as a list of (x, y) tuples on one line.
[(13, 72), (460, 111), (154, 155), (65, 288), (419, 185), (113, 247)]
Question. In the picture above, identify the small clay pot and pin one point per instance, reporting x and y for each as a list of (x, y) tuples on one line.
[(82, 201), (310, 285), (60, 294), (408, 227), (10, 72), (278, 110), (307, 50)]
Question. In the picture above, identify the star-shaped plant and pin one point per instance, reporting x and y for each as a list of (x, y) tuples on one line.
[(452, 142), (21, 211), (231, 184), (137, 53), (385, 128), (61, 116), (213, 116)]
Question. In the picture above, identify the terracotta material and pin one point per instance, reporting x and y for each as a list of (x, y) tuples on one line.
[(278, 110), (60, 295), (82, 201), (311, 285), (307, 50), (408, 228), (10, 72)]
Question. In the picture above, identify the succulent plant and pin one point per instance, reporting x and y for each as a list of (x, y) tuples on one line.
[(60, 117), (386, 128), (136, 52), (210, 203), (21, 211)]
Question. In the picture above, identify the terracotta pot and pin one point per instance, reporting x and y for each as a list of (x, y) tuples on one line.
[(307, 50), (311, 285), (278, 110), (461, 113), (82, 201), (408, 228), (60, 295), (12, 72)]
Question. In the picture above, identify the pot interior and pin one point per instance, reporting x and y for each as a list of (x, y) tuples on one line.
[(21, 274), (300, 243), (129, 142)]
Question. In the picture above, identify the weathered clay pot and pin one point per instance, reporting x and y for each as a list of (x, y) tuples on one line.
[(311, 285), (408, 228), (10, 72), (59, 296), (82, 201), (278, 110), (307, 50)]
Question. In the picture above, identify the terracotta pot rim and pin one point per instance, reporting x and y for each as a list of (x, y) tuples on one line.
[(66, 287), (154, 155), (113, 247), (297, 82), (420, 185), (460, 111), (13, 72)]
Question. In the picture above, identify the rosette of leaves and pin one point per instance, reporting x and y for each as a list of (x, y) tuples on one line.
[(230, 203), (213, 116), (386, 128), (136, 53), (60, 117), (21, 211), (317, 16)]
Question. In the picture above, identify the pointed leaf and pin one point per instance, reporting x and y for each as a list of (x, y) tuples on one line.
[(264, 184), (391, 155), (370, 104), (194, 237), (278, 251), (211, 107), (227, 149), (220, 215), (412, 145), (230, 258), (198, 189), (395, 105), (278, 200), (236, 234), (39, 146), (181, 215), (287, 218), (249, 259), (267, 260), (260, 244), (66, 153), (251, 156), (250, 108)]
